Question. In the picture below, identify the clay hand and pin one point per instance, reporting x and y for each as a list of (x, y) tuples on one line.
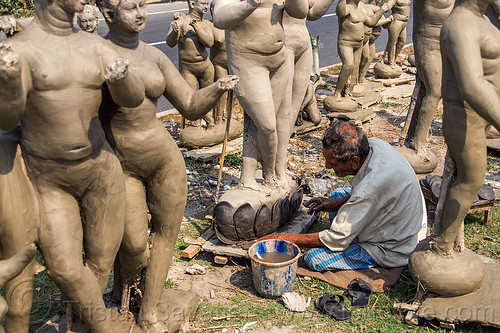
[(116, 71), (386, 7), (175, 26), (8, 25), (228, 82), (10, 66), (254, 3)]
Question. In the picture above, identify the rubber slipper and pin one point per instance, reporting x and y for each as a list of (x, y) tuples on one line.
[(334, 305), (360, 291)]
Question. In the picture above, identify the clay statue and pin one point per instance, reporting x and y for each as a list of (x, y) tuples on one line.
[(470, 48), (493, 13), (427, 22), (88, 20), (155, 173), (371, 35), (193, 36), (50, 82), (299, 50), (257, 54), (352, 22), (196, 137), (9, 25), (9, 269)]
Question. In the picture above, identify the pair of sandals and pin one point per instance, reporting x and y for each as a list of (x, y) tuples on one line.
[(334, 304)]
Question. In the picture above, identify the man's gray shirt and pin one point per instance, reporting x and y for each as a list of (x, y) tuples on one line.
[(385, 212)]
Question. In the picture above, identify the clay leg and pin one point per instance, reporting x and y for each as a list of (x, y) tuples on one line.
[(311, 106), (429, 70), (346, 54), (394, 32), (301, 74), (221, 105), (465, 135), (167, 194), (401, 42), (207, 78), (135, 237), (355, 71), (3, 310), (284, 118), (61, 243), (193, 83), (256, 96), (364, 62)]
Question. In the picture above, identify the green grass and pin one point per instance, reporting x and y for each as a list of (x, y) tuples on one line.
[(234, 160), (390, 104)]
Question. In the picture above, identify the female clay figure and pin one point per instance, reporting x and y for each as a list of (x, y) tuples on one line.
[(298, 46), (470, 48), (352, 21), (88, 20), (257, 54), (148, 153), (50, 82), (397, 28)]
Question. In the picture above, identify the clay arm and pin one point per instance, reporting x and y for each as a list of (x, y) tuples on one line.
[(496, 6), (174, 33), (341, 9), (229, 13), (297, 8), (463, 51), (13, 90), (192, 104), (372, 20), (124, 84), (204, 32), (383, 21), (302, 240), (319, 9)]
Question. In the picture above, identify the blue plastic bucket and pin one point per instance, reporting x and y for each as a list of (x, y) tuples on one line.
[(273, 279)]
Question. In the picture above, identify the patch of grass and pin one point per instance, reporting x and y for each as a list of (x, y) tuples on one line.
[(170, 284), (325, 85), (390, 104), (493, 164), (335, 69), (234, 160), (481, 238)]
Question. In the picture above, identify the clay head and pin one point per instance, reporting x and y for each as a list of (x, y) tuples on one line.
[(201, 6), (125, 15), (69, 6), (345, 148), (88, 20)]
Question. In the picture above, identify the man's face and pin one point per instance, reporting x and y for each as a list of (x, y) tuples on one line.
[(201, 5), (131, 15), (340, 168)]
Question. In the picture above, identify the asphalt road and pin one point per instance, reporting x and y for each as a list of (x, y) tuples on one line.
[(160, 16)]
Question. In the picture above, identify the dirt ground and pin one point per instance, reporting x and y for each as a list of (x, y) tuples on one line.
[(219, 283)]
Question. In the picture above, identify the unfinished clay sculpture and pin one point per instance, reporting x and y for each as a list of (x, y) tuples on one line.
[(428, 20), (352, 22), (155, 173), (88, 20), (50, 82), (470, 48), (257, 54)]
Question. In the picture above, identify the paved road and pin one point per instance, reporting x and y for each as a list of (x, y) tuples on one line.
[(160, 16)]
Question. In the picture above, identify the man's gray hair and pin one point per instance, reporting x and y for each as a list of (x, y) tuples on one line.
[(346, 140)]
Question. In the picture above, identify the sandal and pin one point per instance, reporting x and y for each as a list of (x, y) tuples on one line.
[(333, 305), (360, 291)]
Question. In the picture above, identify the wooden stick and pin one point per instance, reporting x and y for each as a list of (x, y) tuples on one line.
[(224, 145)]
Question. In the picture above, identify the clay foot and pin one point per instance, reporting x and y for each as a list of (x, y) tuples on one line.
[(254, 186), (359, 90), (424, 161), (339, 104), (386, 71), (446, 274), (12, 267)]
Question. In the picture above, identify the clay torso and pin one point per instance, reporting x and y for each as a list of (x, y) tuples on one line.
[(401, 10), (134, 132), (60, 121), (490, 56), (267, 35), (296, 34), (352, 27), (190, 47), (433, 15), (218, 54)]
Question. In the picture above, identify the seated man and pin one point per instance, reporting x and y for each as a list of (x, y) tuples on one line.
[(377, 225)]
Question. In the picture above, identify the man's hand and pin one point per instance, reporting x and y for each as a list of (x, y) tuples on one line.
[(285, 237), (322, 204), (228, 82)]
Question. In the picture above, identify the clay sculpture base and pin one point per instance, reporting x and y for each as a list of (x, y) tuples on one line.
[(339, 104), (385, 71), (424, 162), (359, 90), (439, 273), (197, 137), (176, 309), (411, 60), (482, 306), (244, 215)]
